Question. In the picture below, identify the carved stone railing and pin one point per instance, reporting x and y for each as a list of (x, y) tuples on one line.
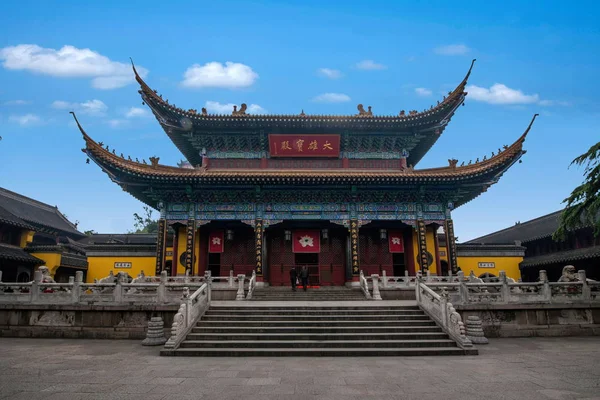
[(251, 286), (77, 292), (190, 311), (364, 285), (467, 290), (443, 312), (397, 282)]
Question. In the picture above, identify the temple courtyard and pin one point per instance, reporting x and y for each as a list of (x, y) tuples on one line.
[(528, 368)]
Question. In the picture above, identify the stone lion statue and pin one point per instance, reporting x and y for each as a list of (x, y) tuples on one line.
[(569, 274), (46, 277), (141, 278)]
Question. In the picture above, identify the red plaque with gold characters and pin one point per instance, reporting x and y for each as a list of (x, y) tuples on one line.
[(304, 145)]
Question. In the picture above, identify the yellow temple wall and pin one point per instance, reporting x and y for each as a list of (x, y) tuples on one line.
[(100, 266), (430, 241), (26, 237), (510, 265), (51, 260), (181, 238)]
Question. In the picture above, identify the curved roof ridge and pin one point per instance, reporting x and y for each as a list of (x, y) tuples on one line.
[(458, 91)]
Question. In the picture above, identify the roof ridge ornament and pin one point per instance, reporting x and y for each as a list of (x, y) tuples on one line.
[(242, 110), (362, 112)]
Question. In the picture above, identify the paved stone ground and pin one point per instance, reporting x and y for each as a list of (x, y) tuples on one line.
[(535, 368)]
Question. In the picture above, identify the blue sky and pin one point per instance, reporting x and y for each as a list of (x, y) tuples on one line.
[(323, 57)]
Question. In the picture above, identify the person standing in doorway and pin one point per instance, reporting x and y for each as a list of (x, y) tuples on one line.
[(293, 278), (304, 277)]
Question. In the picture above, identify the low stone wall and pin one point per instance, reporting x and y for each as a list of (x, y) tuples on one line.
[(397, 293), (529, 320), (82, 321)]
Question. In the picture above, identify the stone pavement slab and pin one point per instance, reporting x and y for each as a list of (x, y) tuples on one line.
[(507, 369)]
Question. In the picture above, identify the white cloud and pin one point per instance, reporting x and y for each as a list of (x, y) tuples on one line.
[(116, 123), (423, 92), (329, 73), (452, 50), (90, 107), (25, 120), (331, 98), (499, 93), (69, 62), (214, 74), (16, 103), (550, 103), (134, 112), (370, 65), (214, 107)]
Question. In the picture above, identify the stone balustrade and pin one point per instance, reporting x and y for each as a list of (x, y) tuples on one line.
[(148, 290)]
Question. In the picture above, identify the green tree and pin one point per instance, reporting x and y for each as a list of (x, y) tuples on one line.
[(583, 205), (90, 232), (145, 223)]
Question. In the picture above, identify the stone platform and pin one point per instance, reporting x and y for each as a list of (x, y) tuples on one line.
[(525, 368)]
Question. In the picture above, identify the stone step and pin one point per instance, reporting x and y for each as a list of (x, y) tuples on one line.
[(318, 352), (307, 298), (326, 322), (314, 317), (349, 308), (316, 344), (355, 336), (226, 330), (293, 311)]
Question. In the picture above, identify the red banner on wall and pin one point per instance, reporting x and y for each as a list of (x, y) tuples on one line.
[(216, 242), (306, 242), (396, 242), (304, 145)]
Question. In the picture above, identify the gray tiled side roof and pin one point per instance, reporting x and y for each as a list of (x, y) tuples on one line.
[(36, 212), (537, 228), (15, 253), (6, 217)]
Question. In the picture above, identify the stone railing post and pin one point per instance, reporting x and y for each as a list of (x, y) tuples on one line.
[(76, 291), (450, 276), (384, 282), (35, 286), (208, 280), (406, 278), (188, 306), (231, 278), (504, 290), (586, 293), (118, 292), (0, 276), (71, 280), (418, 287), (161, 291), (463, 291), (546, 292), (460, 276), (186, 278), (240, 292), (376, 294), (443, 304)]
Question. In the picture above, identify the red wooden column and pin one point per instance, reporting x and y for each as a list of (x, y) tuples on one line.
[(175, 262), (161, 237), (189, 243), (410, 253), (451, 245), (422, 238)]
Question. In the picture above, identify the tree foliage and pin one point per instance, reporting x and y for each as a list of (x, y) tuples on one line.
[(145, 223), (583, 205), (90, 232)]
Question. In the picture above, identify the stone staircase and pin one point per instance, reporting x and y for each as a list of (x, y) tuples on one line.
[(298, 329), (333, 293)]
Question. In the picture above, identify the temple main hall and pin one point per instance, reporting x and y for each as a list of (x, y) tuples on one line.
[(337, 194)]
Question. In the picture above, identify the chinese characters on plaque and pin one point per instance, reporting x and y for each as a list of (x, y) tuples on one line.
[(354, 246), (122, 265), (258, 240), (396, 242), (304, 145)]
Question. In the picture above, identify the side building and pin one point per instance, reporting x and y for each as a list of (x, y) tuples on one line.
[(581, 249), (32, 234)]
